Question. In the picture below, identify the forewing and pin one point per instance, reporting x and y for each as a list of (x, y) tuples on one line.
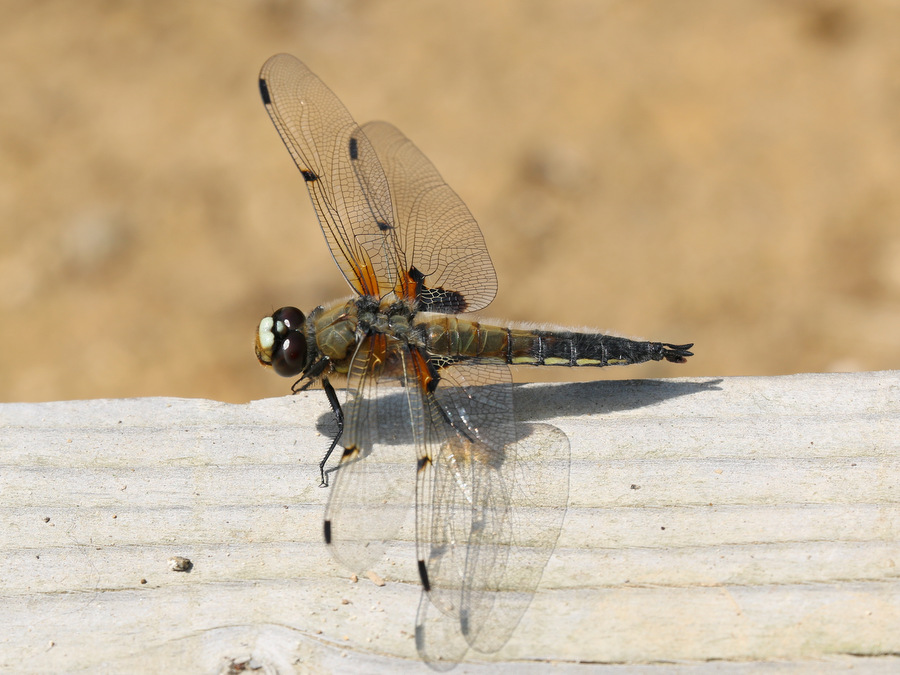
[(347, 185), (490, 501), (373, 487), (434, 229)]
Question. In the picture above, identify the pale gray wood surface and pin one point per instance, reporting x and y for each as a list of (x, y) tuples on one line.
[(717, 524)]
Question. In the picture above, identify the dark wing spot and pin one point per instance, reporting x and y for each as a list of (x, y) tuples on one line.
[(264, 92), (308, 175), (416, 276), (422, 463), (437, 299), (327, 531), (383, 226), (445, 302), (354, 149), (423, 576)]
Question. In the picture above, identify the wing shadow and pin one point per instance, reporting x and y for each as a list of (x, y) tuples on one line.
[(536, 402)]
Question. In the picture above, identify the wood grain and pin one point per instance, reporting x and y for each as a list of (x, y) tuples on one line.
[(743, 520)]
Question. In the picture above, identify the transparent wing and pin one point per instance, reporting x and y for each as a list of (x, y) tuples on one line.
[(390, 220), (348, 188), (490, 501), (373, 487), (435, 231)]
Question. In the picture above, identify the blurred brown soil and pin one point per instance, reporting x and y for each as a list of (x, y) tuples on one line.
[(711, 172)]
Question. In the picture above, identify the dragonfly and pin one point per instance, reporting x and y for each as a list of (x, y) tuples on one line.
[(428, 418)]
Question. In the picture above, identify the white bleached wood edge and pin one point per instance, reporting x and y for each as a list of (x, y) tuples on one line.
[(730, 523)]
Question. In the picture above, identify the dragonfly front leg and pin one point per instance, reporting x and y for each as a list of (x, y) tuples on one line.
[(339, 419)]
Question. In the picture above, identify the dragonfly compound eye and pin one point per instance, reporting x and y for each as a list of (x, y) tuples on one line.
[(289, 353), (290, 316), (289, 358)]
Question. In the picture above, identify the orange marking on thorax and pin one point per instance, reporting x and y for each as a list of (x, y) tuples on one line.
[(367, 279), (420, 365), (377, 348), (406, 288)]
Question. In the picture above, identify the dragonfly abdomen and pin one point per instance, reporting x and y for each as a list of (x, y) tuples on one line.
[(569, 348), (458, 339)]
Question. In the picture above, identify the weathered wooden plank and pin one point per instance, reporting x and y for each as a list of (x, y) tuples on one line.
[(743, 520)]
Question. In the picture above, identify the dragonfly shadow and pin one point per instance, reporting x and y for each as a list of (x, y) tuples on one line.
[(535, 402), (546, 401), (393, 418)]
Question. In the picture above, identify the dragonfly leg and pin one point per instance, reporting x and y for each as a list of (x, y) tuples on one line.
[(339, 419)]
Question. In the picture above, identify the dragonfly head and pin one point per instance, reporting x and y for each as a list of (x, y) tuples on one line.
[(281, 342)]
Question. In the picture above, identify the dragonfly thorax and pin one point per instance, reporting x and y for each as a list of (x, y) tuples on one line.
[(326, 340), (390, 316)]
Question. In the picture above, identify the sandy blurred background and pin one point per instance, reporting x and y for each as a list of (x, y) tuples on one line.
[(725, 173)]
